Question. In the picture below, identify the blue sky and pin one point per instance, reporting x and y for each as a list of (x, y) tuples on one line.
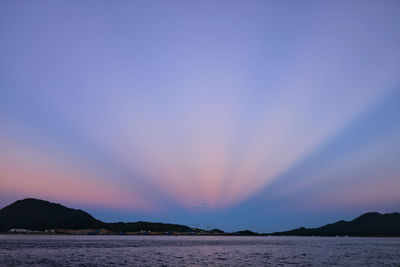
[(265, 115)]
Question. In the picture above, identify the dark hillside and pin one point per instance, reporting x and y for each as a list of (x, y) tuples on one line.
[(35, 214), (368, 224)]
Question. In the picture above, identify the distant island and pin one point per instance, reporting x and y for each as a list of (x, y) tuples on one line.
[(372, 224), (35, 216)]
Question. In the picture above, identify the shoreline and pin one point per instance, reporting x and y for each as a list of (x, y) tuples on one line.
[(183, 234)]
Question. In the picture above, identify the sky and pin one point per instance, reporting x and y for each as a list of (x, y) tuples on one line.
[(260, 115)]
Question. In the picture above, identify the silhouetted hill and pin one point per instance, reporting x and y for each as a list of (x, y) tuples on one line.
[(217, 231), (147, 226), (245, 232), (368, 224), (35, 214), (39, 215)]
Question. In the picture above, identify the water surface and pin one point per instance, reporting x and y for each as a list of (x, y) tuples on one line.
[(40, 250)]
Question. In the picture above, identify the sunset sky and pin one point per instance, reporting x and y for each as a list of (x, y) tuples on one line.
[(266, 115)]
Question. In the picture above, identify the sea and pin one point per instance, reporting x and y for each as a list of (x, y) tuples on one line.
[(57, 250)]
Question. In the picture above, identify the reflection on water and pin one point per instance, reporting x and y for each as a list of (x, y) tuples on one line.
[(20, 250)]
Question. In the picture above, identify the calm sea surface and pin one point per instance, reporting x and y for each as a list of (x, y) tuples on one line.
[(28, 250)]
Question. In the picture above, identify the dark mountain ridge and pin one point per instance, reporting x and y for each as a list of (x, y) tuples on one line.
[(147, 226), (39, 215), (368, 224)]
